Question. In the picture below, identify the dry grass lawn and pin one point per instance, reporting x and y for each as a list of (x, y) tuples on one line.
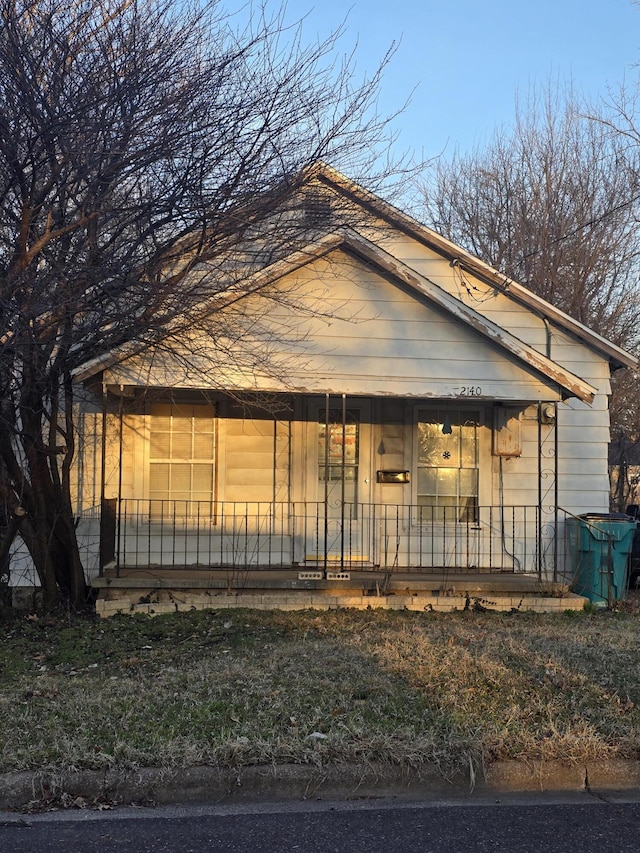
[(239, 688)]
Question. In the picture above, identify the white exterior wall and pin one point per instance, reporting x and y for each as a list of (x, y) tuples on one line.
[(373, 338), (583, 430), (345, 328)]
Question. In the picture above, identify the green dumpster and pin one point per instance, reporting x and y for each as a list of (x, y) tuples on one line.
[(602, 544)]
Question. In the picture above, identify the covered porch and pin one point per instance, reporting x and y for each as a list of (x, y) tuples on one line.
[(155, 591), (323, 486), (387, 557)]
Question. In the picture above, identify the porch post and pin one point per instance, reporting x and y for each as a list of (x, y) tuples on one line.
[(555, 493), (344, 460), (326, 479), (120, 441), (103, 475), (550, 419), (539, 521)]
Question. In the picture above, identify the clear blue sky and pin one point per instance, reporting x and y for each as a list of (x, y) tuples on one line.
[(469, 58)]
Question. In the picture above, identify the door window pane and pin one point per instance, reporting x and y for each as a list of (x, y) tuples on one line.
[(447, 464), (338, 449)]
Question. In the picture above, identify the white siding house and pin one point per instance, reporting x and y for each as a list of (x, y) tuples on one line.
[(411, 410)]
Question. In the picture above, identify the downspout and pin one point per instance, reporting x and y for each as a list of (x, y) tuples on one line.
[(547, 327)]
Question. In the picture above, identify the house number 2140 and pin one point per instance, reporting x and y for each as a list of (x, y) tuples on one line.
[(471, 391)]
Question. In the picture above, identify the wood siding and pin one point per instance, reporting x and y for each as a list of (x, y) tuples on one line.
[(353, 331), (343, 327)]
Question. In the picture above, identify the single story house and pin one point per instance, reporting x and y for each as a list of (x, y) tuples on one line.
[(407, 412)]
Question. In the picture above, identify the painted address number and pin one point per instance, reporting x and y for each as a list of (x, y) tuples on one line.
[(471, 391)]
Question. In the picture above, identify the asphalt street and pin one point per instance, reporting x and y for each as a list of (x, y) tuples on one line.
[(585, 825)]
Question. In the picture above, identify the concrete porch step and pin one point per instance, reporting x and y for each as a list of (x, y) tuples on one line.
[(154, 602)]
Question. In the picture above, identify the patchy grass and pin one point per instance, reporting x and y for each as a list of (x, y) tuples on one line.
[(236, 688)]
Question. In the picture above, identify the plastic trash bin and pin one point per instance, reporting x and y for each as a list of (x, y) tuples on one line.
[(602, 543)]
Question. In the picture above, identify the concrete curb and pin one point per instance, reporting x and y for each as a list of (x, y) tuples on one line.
[(200, 785)]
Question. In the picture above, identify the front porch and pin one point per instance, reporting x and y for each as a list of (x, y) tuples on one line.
[(167, 556), (159, 591)]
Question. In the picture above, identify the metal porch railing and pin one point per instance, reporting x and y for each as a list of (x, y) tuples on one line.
[(263, 535)]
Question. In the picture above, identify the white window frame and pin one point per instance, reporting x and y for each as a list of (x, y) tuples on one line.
[(191, 506)]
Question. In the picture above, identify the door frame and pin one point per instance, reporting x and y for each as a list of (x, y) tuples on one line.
[(329, 544)]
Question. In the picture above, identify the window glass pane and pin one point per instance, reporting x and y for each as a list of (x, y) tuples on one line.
[(203, 479), (203, 446), (179, 503), (161, 424), (448, 504), (351, 443), (447, 481), (447, 464), (429, 438), (427, 481), (160, 445), (180, 479), (339, 438), (159, 477), (180, 435), (161, 417), (437, 448), (181, 447), (469, 449), (342, 448), (469, 482)]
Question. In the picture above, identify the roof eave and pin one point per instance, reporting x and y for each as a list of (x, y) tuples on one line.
[(617, 356)]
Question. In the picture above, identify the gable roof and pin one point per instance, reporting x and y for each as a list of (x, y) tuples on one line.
[(496, 335), (348, 239), (325, 174), (389, 266)]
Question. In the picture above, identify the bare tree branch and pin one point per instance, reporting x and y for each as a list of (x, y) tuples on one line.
[(143, 145), (554, 203)]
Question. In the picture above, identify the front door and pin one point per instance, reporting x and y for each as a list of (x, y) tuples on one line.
[(338, 481)]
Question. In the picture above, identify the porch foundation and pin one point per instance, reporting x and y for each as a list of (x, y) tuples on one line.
[(168, 592)]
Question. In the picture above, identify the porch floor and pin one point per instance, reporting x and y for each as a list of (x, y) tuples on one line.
[(155, 590), (416, 579)]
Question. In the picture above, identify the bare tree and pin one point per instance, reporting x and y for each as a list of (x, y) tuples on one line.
[(553, 204), (141, 141), (620, 118)]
